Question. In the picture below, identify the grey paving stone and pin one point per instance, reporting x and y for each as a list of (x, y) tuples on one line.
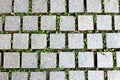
[(38, 76), (94, 6), (86, 59), (20, 41), (76, 6), (76, 75), (5, 6), (1, 27), (57, 41), (75, 41), (67, 59), (94, 41), (111, 6), (48, 22), (11, 60), (21, 5), (0, 58), (95, 75), (113, 40), (19, 76), (38, 41), (60, 75), (12, 23), (104, 22), (67, 23), (39, 6), (113, 75), (117, 22), (104, 59), (118, 58), (5, 41), (29, 60), (48, 60), (85, 22), (30, 22), (3, 76), (57, 6)]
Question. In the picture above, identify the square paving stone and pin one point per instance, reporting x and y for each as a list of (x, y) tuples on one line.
[(95, 75), (76, 75), (30, 23), (94, 41), (57, 6), (75, 41), (3, 76), (19, 76), (12, 23), (38, 76), (5, 41), (94, 6), (48, 22), (1, 27), (111, 6), (117, 22), (48, 60), (20, 41), (105, 59), (60, 75), (76, 6), (113, 75), (104, 22), (67, 23), (11, 60), (67, 59), (86, 59), (38, 41), (57, 41), (85, 22), (118, 58), (113, 40), (5, 6), (29, 60), (39, 6)]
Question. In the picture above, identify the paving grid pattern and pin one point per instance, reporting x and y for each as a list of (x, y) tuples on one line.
[(59, 39)]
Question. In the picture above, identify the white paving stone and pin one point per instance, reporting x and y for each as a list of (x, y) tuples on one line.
[(1, 27), (3, 76), (118, 58), (113, 75), (19, 76), (38, 76), (117, 22)]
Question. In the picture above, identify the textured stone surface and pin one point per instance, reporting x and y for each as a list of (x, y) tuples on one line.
[(75, 41), (95, 38), (85, 22), (86, 59), (113, 75), (30, 22), (0, 59), (11, 60), (67, 23), (67, 59), (29, 60), (1, 27), (38, 76), (38, 41), (19, 76), (3, 76), (12, 23), (117, 22), (118, 58), (104, 60), (104, 22)]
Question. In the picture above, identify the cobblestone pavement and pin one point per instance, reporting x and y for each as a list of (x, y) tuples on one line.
[(59, 39)]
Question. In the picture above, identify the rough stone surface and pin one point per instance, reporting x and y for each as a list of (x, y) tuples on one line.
[(118, 58), (76, 75), (20, 41), (39, 6), (48, 60), (30, 22), (19, 76), (104, 22), (104, 60), (85, 22), (12, 23), (3, 76), (75, 41), (57, 41), (48, 22), (67, 23), (29, 60), (11, 60), (86, 59), (67, 59), (113, 40), (117, 22), (38, 41), (38, 76), (113, 75), (95, 38), (1, 27)]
